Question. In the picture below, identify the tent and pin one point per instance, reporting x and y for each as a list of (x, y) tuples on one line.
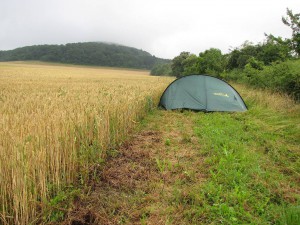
[(201, 92)]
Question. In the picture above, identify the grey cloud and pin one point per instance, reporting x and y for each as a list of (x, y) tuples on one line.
[(162, 27)]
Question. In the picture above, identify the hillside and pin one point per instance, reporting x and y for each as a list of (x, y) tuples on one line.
[(89, 53)]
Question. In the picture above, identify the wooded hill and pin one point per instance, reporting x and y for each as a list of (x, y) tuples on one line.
[(88, 53)]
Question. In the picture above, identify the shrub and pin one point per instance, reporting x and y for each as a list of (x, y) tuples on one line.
[(161, 69), (282, 77)]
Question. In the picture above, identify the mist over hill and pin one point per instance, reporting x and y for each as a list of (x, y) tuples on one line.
[(88, 53)]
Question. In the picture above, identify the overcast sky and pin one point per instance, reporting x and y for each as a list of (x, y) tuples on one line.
[(164, 28)]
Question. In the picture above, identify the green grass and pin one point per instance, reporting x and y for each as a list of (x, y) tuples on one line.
[(253, 162)]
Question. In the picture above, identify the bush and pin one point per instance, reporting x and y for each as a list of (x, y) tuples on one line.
[(161, 69), (283, 77)]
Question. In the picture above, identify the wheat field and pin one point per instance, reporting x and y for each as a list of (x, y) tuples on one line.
[(55, 121)]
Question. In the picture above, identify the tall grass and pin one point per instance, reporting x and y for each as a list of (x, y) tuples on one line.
[(277, 101), (55, 121)]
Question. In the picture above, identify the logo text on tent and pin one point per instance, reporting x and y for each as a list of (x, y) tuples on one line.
[(222, 94)]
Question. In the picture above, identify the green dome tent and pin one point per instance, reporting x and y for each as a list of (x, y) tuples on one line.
[(202, 92)]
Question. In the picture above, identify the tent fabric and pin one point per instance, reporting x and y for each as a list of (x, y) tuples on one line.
[(202, 92)]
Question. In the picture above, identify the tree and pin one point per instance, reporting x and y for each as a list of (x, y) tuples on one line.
[(190, 65), (211, 62), (161, 69), (274, 49), (293, 21), (178, 64)]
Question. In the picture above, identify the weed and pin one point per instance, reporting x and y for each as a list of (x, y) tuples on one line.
[(291, 216), (168, 142), (163, 165), (57, 207)]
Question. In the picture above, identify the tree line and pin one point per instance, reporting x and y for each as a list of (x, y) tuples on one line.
[(272, 64), (88, 53)]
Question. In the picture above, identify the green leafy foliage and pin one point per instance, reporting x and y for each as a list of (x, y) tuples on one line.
[(161, 69), (190, 65), (211, 62), (272, 50), (282, 77), (293, 21), (178, 65), (57, 207)]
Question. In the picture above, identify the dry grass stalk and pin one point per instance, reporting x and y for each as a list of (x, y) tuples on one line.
[(273, 100)]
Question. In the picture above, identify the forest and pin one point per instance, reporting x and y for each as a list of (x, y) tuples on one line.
[(88, 53)]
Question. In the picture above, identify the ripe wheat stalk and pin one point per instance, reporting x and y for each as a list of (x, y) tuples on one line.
[(55, 121)]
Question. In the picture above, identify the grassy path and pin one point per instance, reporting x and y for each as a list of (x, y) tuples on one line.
[(142, 181), (202, 168)]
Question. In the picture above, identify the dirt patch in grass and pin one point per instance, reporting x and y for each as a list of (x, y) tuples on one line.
[(133, 165), (121, 177), (139, 182)]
